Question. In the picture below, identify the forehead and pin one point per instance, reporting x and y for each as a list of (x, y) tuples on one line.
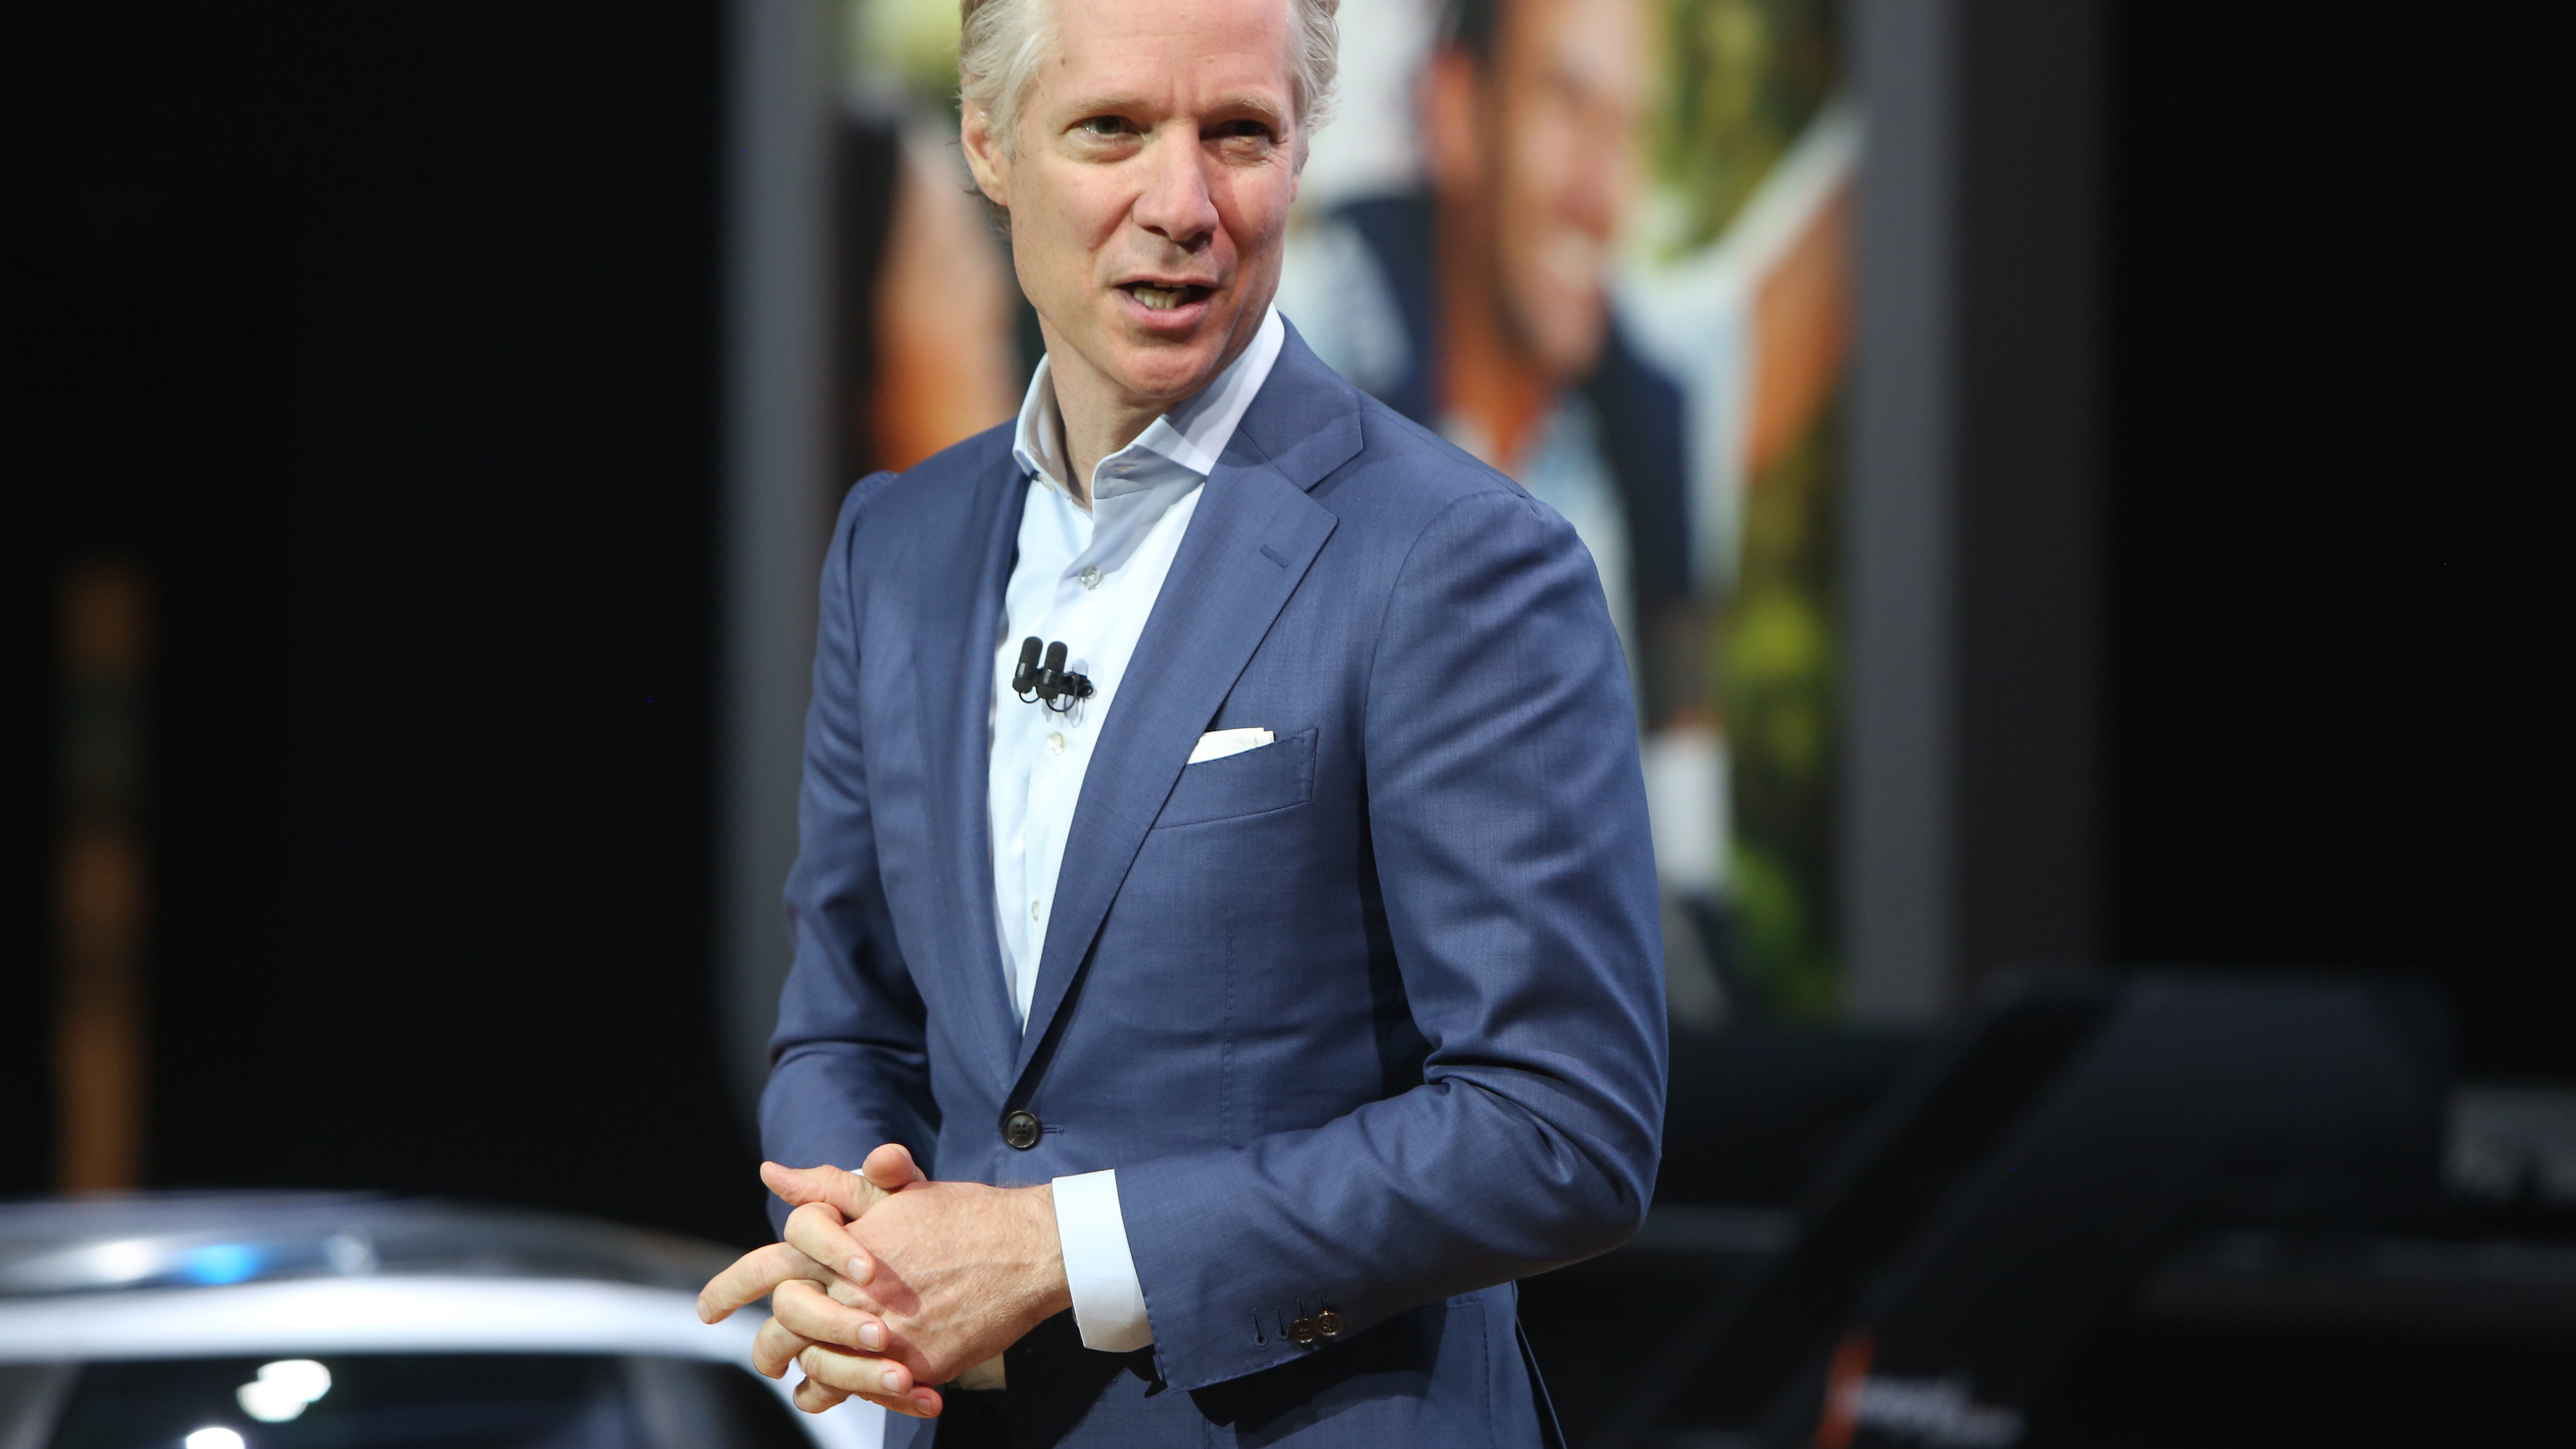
[(1169, 49), (1599, 40)]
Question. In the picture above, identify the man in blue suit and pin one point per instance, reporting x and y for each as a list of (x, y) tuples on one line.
[(1229, 996)]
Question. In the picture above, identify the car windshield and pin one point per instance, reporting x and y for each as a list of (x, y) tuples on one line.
[(414, 1401)]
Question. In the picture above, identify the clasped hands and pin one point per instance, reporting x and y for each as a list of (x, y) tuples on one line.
[(889, 1283)]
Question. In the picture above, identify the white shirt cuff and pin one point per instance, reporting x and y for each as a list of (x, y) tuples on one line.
[(1108, 1302)]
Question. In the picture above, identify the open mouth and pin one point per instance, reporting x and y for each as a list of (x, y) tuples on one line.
[(1161, 297)]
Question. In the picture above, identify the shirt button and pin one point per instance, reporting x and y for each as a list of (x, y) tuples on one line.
[(1033, 910), (1090, 576), (1055, 743)]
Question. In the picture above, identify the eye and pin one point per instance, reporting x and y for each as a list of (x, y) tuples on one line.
[(1104, 127), (1245, 142)]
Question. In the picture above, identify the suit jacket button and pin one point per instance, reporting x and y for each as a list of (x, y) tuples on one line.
[(1330, 1324), (1020, 1129), (1303, 1333)]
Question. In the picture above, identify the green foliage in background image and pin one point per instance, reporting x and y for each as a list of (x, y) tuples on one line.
[(1741, 79), (912, 43), (1778, 668), (1782, 955)]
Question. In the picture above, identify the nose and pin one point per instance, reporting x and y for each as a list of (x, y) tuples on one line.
[(1176, 204)]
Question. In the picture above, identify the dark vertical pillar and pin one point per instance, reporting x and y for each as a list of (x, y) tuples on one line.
[(777, 306), (102, 877), (1898, 809), (2029, 394), (26, 848), (1970, 801)]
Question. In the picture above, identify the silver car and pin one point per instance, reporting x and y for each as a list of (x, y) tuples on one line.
[(330, 1322)]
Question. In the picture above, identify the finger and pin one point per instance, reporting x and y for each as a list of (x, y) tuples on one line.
[(816, 1231), (891, 1168), (891, 1300), (775, 1347), (807, 1310), (817, 1316), (857, 1373), (814, 1398), (754, 1276), (920, 1403), (846, 1192)]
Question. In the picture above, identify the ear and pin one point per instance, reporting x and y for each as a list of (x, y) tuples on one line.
[(984, 157)]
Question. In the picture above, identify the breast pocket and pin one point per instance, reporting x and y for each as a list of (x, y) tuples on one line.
[(1273, 777)]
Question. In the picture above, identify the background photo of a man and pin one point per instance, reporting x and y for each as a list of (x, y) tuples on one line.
[(1497, 268)]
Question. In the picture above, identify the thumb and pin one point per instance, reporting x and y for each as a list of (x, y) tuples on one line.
[(891, 1168), (845, 1192)]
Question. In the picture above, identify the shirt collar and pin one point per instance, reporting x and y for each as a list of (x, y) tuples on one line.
[(1192, 435)]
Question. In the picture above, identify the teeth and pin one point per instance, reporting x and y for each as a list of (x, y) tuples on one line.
[(1160, 299)]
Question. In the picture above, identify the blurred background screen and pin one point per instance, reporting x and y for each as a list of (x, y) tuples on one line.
[(1604, 245)]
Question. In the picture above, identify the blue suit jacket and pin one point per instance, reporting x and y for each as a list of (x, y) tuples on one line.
[(1369, 1019)]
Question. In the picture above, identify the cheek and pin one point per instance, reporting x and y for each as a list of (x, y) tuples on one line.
[(1094, 204), (1057, 230), (1554, 161), (1254, 204), (1029, 252), (1611, 140)]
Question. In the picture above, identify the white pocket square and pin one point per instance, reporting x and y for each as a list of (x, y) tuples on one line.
[(1217, 744)]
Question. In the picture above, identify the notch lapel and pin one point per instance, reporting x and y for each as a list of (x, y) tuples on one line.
[(1248, 546), (960, 590)]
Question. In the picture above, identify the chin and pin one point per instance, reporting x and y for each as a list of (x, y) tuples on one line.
[(1167, 369), (1567, 337)]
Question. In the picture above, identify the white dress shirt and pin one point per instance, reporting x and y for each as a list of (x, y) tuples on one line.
[(1088, 577)]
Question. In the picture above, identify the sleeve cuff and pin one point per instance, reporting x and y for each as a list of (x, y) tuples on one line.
[(1108, 1300)]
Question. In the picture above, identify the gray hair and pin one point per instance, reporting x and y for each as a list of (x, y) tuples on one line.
[(1001, 44)]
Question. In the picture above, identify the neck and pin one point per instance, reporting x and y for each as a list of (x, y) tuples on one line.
[(1099, 418), (1487, 377)]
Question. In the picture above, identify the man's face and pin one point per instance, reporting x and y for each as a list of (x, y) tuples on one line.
[(1559, 160), (1150, 186)]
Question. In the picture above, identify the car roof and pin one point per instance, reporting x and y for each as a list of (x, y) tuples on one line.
[(176, 1240)]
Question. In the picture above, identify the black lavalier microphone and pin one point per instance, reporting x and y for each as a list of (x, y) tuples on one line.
[(1050, 683)]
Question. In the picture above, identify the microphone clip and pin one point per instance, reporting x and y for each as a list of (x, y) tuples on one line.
[(1048, 683)]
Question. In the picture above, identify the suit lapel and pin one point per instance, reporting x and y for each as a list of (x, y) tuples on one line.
[(952, 657), (1249, 544)]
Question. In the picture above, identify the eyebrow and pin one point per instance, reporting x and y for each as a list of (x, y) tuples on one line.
[(1251, 103)]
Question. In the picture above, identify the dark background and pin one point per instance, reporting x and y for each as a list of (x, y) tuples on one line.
[(2339, 598), (387, 338)]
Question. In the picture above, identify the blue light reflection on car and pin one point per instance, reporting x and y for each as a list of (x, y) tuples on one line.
[(219, 1263)]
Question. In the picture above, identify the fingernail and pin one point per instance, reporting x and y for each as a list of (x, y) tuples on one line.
[(871, 1336), (892, 1380), (859, 1269)]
